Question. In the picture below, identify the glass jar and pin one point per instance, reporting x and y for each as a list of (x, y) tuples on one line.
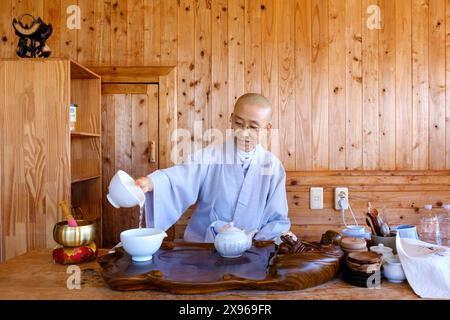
[(429, 226), (444, 225), (73, 116)]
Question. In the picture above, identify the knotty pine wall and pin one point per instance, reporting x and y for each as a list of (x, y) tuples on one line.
[(401, 193), (347, 99)]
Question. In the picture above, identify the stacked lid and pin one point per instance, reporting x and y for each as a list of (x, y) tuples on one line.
[(353, 244), (385, 252), (363, 269)]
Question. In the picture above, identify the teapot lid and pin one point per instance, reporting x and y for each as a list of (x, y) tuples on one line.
[(381, 248), (229, 228)]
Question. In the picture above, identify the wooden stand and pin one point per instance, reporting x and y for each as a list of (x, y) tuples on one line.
[(190, 268)]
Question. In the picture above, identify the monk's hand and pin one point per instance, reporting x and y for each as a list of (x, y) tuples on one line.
[(145, 183)]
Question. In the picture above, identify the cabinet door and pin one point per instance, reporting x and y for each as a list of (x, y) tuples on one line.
[(129, 143)]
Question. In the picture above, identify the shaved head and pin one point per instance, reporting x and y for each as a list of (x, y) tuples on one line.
[(252, 111), (254, 100)]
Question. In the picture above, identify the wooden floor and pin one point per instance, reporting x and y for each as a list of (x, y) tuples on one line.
[(35, 276)]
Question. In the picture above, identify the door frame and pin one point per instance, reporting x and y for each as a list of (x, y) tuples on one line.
[(166, 78)]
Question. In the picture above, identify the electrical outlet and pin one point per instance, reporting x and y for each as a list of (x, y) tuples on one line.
[(337, 196), (316, 198)]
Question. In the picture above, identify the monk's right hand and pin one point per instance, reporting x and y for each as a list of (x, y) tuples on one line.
[(145, 183)]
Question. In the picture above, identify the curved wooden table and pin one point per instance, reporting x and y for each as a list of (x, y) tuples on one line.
[(34, 276)]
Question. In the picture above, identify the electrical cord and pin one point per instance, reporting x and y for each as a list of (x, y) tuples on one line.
[(344, 204)]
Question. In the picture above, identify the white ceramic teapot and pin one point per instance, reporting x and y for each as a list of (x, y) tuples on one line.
[(232, 242)]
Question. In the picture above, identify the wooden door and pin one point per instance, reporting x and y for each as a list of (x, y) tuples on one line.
[(129, 143)]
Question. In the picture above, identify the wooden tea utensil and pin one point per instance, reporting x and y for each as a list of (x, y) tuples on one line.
[(70, 220), (373, 215), (385, 229), (370, 224)]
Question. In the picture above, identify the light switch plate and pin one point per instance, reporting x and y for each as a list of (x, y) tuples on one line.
[(316, 198)]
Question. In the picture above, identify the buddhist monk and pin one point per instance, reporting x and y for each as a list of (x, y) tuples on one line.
[(235, 181)]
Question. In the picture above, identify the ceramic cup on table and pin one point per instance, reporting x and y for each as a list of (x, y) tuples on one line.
[(356, 232), (123, 191), (142, 243), (406, 231), (393, 270), (353, 231)]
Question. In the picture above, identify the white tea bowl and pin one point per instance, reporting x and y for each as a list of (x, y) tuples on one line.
[(142, 243), (393, 270), (123, 191)]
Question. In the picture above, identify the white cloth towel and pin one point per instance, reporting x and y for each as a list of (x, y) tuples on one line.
[(426, 266)]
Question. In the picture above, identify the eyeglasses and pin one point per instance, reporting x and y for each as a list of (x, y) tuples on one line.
[(236, 124)]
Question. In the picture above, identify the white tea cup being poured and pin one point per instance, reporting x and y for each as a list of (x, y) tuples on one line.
[(140, 243), (124, 193)]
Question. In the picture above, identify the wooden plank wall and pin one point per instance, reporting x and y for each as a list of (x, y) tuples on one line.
[(345, 97), (401, 193)]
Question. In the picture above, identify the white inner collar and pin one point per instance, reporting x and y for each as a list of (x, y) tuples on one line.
[(245, 156)]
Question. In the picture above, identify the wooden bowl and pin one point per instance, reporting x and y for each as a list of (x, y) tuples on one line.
[(363, 268), (75, 236), (351, 243), (364, 257)]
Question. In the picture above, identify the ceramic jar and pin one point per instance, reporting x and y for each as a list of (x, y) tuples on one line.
[(393, 270)]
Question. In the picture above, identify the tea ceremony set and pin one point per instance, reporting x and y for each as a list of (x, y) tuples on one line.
[(354, 263)]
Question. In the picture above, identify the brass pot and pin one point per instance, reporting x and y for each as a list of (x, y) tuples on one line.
[(75, 236)]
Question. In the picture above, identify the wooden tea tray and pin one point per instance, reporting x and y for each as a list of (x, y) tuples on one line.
[(191, 268)]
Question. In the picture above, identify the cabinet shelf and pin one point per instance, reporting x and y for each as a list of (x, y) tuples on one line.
[(74, 134), (86, 167), (77, 180)]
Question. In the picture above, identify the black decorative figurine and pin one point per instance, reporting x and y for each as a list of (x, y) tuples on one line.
[(32, 37)]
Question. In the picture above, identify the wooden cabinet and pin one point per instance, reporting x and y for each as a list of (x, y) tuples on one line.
[(86, 159), (41, 162)]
